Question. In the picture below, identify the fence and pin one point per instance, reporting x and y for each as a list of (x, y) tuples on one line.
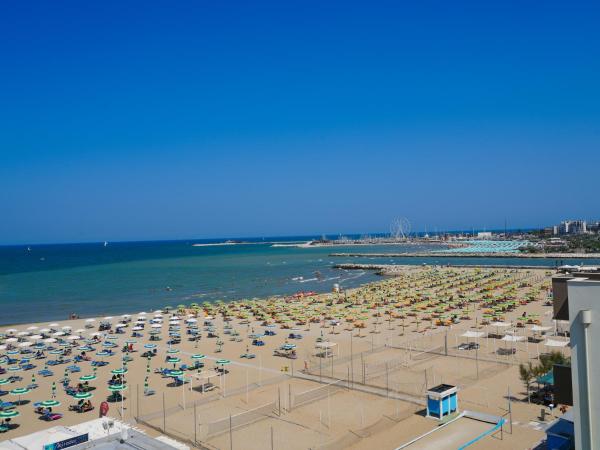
[(317, 393), (212, 429)]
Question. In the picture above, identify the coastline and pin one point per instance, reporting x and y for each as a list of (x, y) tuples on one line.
[(470, 255)]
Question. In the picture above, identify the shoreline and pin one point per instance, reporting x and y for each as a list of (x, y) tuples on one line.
[(470, 255), (393, 270)]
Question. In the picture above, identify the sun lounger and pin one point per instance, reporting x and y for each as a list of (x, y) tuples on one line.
[(49, 417)]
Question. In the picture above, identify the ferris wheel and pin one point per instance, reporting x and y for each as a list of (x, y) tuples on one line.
[(400, 228)]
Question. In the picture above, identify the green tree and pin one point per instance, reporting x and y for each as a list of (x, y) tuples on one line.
[(527, 376)]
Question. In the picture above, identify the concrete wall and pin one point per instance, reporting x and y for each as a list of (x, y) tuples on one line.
[(585, 295)]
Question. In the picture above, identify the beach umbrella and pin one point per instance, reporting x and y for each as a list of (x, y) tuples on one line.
[(9, 414), (198, 356), (172, 351), (121, 371), (117, 387), (175, 373), (149, 345), (19, 392), (83, 395), (223, 362), (48, 403), (87, 377), (4, 381)]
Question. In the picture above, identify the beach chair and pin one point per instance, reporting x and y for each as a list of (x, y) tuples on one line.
[(50, 416), (148, 392), (3, 393), (45, 373), (74, 369), (99, 363)]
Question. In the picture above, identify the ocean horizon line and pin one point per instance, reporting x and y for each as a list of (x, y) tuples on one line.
[(267, 239)]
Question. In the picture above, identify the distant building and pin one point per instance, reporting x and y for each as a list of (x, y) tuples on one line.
[(484, 235), (572, 227)]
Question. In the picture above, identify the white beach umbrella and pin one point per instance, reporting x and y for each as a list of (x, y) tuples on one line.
[(108, 318), (67, 327), (23, 333), (2, 347), (79, 330), (25, 344), (33, 327), (50, 340), (52, 324), (36, 337), (537, 328), (326, 344), (512, 338), (58, 333), (11, 340), (90, 320), (11, 331), (156, 325), (555, 343), (158, 311), (137, 328), (45, 330), (473, 334), (96, 333), (120, 325), (143, 313), (74, 337), (126, 316)]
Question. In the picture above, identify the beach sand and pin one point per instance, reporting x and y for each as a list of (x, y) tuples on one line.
[(379, 373)]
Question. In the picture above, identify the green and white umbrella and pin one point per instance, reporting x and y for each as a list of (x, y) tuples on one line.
[(121, 371), (117, 387), (19, 392), (198, 356), (172, 351), (10, 413), (175, 373), (47, 403), (223, 362), (87, 377), (4, 381), (83, 395)]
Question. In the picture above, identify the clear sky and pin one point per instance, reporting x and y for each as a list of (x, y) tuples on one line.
[(165, 120)]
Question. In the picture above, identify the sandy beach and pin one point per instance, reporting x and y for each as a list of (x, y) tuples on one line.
[(352, 372)]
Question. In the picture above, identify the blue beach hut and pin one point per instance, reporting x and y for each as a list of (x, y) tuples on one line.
[(442, 400)]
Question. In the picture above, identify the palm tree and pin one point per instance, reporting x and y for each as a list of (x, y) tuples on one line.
[(526, 374)]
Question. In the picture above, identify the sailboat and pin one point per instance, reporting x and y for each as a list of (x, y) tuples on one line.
[(105, 243)]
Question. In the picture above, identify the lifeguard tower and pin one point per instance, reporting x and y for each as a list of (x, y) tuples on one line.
[(442, 400)]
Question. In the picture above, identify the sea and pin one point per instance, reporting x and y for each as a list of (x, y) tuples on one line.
[(49, 282)]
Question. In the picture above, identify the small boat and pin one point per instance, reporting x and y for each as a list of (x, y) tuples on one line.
[(105, 243)]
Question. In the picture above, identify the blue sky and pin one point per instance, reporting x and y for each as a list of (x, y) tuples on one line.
[(154, 120)]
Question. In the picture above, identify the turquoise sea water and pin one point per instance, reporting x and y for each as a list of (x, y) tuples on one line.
[(51, 281)]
